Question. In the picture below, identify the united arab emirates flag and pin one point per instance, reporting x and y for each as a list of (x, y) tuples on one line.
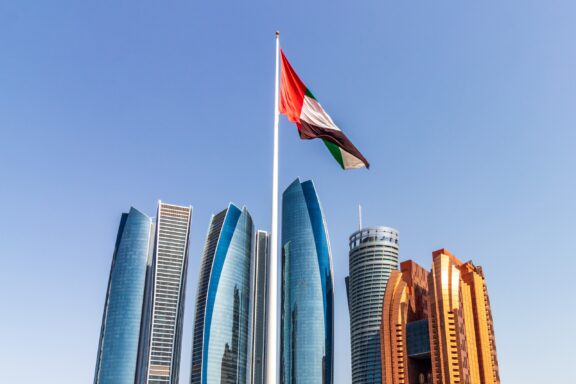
[(302, 108)]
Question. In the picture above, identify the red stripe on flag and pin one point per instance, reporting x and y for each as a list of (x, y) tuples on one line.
[(292, 91)]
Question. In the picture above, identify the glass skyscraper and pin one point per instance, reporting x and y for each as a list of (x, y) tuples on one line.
[(222, 335), (307, 320), (117, 358), (373, 256), (142, 323)]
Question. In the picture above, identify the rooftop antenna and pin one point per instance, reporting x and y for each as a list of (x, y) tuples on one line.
[(360, 216)]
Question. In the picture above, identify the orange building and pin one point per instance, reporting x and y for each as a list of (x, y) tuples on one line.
[(437, 327), (405, 311)]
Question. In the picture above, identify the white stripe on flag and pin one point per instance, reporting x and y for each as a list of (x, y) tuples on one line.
[(350, 161), (313, 113)]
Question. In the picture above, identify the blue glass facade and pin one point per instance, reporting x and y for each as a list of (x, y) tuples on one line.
[(121, 324), (418, 338), (307, 289), (222, 335)]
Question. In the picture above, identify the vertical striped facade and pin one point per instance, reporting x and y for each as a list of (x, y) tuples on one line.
[(170, 262), (463, 345), (142, 324), (437, 326)]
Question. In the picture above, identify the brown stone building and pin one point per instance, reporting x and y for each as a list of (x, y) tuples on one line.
[(437, 326)]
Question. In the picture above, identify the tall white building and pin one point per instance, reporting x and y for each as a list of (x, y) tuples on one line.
[(169, 283)]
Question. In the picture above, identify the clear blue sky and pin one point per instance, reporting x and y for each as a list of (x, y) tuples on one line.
[(466, 112)]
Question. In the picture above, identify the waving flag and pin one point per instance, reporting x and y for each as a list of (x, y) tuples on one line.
[(302, 108)]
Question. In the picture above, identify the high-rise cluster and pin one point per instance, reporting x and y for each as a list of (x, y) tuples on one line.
[(413, 326), (142, 326), (407, 324), (141, 330), (437, 326)]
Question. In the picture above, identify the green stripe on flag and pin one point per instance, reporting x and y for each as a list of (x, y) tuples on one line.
[(335, 151), (309, 94)]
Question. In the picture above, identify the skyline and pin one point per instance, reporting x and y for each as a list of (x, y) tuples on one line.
[(141, 334), (469, 134)]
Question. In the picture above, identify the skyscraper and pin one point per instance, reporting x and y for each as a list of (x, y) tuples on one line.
[(307, 289), (221, 341), (463, 347), (141, 327), (437, 327), (404, 331), (259, 305), (373, 256), (117, 357), (169, 283)]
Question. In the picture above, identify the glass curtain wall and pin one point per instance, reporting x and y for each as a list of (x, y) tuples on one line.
[(307, 289), (120, 334), (222, 334)]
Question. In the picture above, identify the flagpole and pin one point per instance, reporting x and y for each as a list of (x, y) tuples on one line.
[(271, 358)]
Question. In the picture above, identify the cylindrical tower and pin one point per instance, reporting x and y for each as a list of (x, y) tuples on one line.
[(373, 255)]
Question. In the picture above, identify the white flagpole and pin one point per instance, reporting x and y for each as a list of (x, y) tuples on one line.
[(271, 358)]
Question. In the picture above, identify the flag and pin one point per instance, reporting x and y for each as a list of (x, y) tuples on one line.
[(301, 107)]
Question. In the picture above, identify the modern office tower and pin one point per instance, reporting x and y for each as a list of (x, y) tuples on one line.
[(142, 323), (117, 358), (169, 283), (307, 347), (259, 305), (476, 302), (373, 256), (462, 344), (222, 340), (404, 332), (438, 327)]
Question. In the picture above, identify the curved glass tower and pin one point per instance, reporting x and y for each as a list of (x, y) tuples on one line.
[(307, 289), (121, 323), (373, 256), (221, 341)]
